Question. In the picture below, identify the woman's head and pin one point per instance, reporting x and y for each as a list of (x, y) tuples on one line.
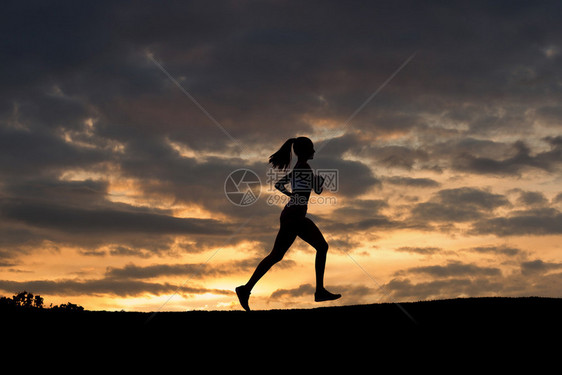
[(302, 146)]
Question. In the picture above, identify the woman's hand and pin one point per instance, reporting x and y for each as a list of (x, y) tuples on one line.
[(318, 183)]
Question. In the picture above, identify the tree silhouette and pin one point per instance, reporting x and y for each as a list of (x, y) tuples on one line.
[(38, 301), (27, 301), (68, 307)]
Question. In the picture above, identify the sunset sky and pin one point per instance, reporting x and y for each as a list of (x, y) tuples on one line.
[(121, 121)]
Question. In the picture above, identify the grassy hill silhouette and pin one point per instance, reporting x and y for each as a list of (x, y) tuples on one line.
[(465, 331), (462, 315)]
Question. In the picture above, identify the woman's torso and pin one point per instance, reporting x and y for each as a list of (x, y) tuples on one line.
[(301, 186)]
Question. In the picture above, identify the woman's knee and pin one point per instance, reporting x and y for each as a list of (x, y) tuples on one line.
[(322, 247), (276, 255)]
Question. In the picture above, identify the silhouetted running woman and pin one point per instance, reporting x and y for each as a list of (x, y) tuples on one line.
[(293, 218)]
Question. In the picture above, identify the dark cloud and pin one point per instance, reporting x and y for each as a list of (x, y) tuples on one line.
[(360, 208), (532, 198), (521, 160), (547, 284), (134, 272), (85, 192), (305, 289), (456, 279), (405, 289), (538, 266), (393, 156), (126, 251), (358, 215), (419, 250), (14, 236), (130, 280), (113, 287), (498, 250), (343, 242), (354, 177), (537, 222), (28, 154), (412, 182), (368, 224), (105, 220), (269, 62), (458, 205), (453, 269), (551, 114), (99, 227), (259, 75)]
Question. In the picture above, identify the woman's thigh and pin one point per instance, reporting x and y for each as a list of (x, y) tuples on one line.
[(310, 233), (285, 238)]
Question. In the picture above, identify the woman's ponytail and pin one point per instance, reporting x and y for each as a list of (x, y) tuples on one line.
[(282, 158)]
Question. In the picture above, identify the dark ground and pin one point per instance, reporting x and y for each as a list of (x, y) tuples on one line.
[(510, 329)]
